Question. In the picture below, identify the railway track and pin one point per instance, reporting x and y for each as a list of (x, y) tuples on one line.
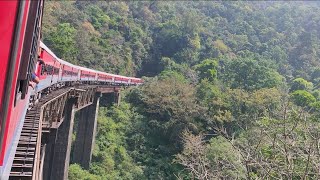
[(30, 152)]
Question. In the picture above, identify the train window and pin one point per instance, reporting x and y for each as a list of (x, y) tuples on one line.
[(43, 70), (56, 71), (68, 73), (49, 69)]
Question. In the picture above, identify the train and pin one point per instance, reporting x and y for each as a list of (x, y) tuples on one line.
[(23, 56), (55, 72)]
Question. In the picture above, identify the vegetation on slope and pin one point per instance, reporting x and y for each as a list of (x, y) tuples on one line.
[(232, 87)]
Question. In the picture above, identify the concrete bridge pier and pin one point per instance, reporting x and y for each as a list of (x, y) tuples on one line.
[(50, 144), (60, 149), (85, 133), (117, 97)]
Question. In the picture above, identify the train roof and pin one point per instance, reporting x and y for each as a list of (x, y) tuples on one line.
[(42, 45), (135, 78), (65, 62)]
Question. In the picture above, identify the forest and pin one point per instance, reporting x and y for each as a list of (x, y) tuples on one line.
[(231, 89)]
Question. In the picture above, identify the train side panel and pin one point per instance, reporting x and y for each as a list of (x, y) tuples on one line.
[(12, 35), (55, 72), (14, 19), (46, 70), (67, 73)]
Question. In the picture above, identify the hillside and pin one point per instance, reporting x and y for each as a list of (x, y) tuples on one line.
[(231, 88)]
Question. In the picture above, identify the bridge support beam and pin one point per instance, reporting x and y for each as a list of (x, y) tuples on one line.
[(62, 146), (86, 131), (50, 144), (117, 97), (110, 98)]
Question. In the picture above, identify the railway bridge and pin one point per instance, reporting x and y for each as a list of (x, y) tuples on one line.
[(37, 124), (44, 147)]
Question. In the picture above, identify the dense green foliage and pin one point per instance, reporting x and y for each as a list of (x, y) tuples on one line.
[(231, 87), (111, 159)]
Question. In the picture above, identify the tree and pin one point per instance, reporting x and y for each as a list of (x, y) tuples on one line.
[(222, 48), (214, 160), (300, 84), (193, 157), (62, 42), (250, 75), (283, 147), (264, 102), (98, 17), (302, 98), (77, 173), (208, 69), (206, 91), (171, 107), (224, 159), (111, 159)]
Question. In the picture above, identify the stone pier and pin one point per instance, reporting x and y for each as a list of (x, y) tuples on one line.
[(85, 133), (61, 152)]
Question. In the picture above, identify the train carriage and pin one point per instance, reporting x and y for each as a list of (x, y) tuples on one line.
[(121, 79), (70, 72), (20, 22), (109, 77), (47, 69), (48, 65), (105, 77), (136, 81), (87, 74)]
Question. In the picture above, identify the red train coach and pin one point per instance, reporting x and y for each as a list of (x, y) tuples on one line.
[(121, 79), (68, 73), (87, 74), (47, 68), (51, 66), (19, 29), (105, 77), (136, 81)]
